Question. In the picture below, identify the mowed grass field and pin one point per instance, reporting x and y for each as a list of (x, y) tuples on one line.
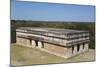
[(21, 55)]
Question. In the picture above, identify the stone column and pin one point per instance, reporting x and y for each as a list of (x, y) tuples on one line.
[(81, 48), (86, 47), (75, 50), (33, 43), (39, 44)]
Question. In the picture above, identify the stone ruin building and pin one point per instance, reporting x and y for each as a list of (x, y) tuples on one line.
[(60, 42)]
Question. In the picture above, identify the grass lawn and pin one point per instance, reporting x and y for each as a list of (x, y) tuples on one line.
[(27, 56)]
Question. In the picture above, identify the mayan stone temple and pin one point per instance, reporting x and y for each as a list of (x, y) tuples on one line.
[(60, 42)]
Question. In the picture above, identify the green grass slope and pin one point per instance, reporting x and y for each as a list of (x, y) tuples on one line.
[(27, 56)]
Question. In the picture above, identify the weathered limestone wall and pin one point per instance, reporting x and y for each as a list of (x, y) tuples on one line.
[(28, 42), (68, 52), (19, 41), (23, 42), (65, 52), (56, 50)]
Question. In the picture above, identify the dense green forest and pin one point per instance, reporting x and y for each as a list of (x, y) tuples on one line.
[(88, 26)]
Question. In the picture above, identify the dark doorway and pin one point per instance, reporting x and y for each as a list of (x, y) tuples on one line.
[(36, 43), (78, 47), (42, 44), (83, 45), (30, 42), (72, 49)]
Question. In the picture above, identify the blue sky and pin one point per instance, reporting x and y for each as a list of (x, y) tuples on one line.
[(51, 12)]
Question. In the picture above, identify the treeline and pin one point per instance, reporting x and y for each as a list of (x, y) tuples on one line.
[(88, 26)]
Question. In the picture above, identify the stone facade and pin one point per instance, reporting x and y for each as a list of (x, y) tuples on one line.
[(53, 45), (57, 50)]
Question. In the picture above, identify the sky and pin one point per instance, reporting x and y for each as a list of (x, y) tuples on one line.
[(38, 11)]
